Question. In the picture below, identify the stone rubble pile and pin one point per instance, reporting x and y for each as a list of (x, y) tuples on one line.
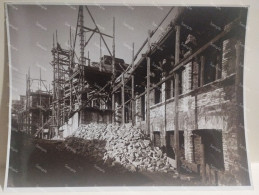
[(126, 145)]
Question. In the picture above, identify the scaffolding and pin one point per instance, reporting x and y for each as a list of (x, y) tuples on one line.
[(71, 88), (35, 115)]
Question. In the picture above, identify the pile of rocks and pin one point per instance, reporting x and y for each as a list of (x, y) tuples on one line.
[(126, 145)]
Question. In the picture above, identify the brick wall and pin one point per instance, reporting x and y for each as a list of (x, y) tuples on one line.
[(212, 107), (214, 110)]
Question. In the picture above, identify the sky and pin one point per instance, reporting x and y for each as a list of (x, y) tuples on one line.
[(31, 29)]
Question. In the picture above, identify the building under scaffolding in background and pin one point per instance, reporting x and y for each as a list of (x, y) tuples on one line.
[(184, 91), (32, 111)]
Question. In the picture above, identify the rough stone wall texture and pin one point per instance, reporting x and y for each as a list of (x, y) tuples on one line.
[(214, 110), (138, 111), (212, 106), (197, 148), (228, 57), (117, 112), (195, 75), (188, 143), (187, 78)]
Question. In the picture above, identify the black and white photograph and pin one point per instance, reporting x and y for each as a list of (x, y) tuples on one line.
[(126, 96)]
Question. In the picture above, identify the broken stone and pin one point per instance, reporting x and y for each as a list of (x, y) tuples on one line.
[(125, 145)]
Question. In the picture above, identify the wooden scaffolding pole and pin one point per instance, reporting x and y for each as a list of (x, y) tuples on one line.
[(81, 34), (27, 106), (123, 101), (133, 113), (29, 103), (202, 71), (113, 71), (177, 59), (148, 86)]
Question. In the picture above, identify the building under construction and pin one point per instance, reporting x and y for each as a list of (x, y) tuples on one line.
[(185, 91), (32, 112)]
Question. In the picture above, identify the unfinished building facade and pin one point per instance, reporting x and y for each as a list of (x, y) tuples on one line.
[(80, 86), (186, 92), (34, 111)]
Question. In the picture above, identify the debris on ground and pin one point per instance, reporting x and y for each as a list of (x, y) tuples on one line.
[(125, 145)]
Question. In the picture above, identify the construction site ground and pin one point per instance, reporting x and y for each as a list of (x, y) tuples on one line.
[(44, 163)]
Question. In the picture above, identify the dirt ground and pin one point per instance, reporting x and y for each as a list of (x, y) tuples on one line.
[(43, 163)]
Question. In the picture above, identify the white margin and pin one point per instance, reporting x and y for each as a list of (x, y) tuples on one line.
[(244, 102), (10, 96), (119, 188)]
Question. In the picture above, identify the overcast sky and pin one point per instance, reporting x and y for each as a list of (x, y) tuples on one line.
[(31, 30)]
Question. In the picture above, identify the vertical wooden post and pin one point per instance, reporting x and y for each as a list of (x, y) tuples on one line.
[(176, 97), (123, 100), (29, 102), (133, 100), (113, 107), (70, 68), (81, 34), (42, 129), (176, 131), (133, 113), (148, 86), (26, 105), (100, 66), (202, 71), (70, 99), (165, 121), (172, 87), (177, 44), (58, 94), (113, 72)]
